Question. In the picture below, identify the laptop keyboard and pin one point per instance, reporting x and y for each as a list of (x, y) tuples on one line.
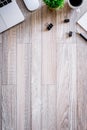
[(4, 2)]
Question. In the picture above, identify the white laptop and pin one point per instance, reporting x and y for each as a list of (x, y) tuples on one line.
[(10, 14)]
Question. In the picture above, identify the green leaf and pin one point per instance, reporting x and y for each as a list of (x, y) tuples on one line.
[(54, 3)]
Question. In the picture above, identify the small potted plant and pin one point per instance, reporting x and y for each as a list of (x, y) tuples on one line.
[(54, 4)]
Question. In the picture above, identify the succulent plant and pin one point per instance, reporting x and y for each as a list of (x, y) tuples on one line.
[(54, 3)]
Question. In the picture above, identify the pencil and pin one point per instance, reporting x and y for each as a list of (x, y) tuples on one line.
[(81, 35)]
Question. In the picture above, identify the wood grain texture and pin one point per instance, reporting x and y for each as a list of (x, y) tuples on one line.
[(66, 87), (23, 86), (49, 108), (0, 60), (0, 104), (23, 31), (49, 46), (9, 107), (36, 71), (9, 57), (0, 39), (43, 73), (81, 86), (81, 81), (0, 87)]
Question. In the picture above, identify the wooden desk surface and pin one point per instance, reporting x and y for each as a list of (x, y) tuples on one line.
[(43, 74)]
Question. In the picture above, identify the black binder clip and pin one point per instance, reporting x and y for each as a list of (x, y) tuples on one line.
[(49, 27), (66, 20)]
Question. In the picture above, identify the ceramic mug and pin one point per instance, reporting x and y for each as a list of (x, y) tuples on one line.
[(75, 4)]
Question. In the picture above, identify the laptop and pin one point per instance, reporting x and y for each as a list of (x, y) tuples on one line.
[(10, 14)]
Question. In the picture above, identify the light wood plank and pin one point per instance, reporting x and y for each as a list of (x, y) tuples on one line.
[(23, 87), (9, 110), (82, 84), (66, 87), (0, 39), (49, 109), (81, 74), (9, 57), (36, 71), (0, 104), (44, 117), (24, 31), (0, 88), (48, 47), (0, 59)]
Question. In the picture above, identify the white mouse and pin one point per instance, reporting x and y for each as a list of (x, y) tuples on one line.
[(31, 4)]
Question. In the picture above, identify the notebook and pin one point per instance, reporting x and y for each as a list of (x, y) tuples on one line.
[(83, 21)]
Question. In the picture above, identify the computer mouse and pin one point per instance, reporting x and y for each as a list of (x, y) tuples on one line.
[(31, 4)]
